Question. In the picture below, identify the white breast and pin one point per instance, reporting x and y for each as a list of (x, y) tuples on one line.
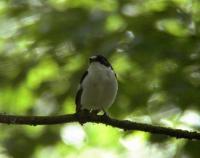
[(99, 88)]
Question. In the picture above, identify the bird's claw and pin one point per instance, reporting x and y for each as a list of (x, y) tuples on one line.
[(105, 115)]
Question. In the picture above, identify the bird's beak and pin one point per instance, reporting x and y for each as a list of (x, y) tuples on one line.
[(92, 59)]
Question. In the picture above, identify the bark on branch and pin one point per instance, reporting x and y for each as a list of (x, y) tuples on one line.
[(86, 118)]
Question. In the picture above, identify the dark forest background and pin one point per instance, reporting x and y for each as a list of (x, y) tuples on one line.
[(154, 47)]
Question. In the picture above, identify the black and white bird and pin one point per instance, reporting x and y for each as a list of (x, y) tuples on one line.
[(98, 86)]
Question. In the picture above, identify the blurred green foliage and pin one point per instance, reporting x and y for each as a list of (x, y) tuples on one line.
[(154, 47)]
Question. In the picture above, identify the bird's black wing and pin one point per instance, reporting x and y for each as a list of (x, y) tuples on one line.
[(84, 75), (79, 93), (78, 99), (113, 71)]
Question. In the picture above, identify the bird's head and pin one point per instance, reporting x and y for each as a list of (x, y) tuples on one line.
[(100, 59)]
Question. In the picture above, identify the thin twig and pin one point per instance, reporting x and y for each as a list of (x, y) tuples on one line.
[(86, 118)]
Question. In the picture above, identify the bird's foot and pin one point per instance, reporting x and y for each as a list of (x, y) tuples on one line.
[(94, 112), (86, 112), (105, 115)]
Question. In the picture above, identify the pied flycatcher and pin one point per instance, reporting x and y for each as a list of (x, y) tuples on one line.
[(98, 86)]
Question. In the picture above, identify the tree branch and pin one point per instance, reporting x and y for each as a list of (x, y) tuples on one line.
[(86, 117)]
